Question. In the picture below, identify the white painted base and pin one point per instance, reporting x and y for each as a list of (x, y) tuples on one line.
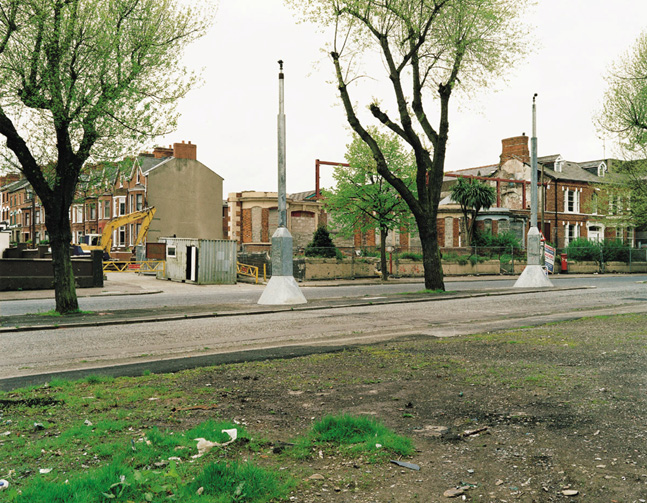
[(282, 290), (533, 277)]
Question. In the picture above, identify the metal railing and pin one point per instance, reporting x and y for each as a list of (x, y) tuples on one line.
[(135, 265), (247, 270)]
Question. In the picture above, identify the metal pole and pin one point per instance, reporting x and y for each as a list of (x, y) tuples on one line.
[(533, 166), (283, 221)]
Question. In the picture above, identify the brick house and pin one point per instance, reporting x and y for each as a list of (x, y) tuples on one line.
[(187, 196), (22, 213), (570, 196)]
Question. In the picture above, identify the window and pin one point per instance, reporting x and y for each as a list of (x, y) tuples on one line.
[(594, 203), (602, 169), (120, 206), (37, 217), (93, 211), (170, 251), (571, 201), (140, 202), (106, 209), (132, 203), (571, 233), (630, 236), (122, 235)]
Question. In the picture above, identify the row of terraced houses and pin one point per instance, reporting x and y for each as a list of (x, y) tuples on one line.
[(189, 202)]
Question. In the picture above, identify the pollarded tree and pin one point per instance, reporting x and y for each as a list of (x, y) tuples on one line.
[(473, 196), (429, 48), (362, 200), (82, 80), (625, 116)]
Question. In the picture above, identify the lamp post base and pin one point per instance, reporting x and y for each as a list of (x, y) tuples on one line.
[(533, 276), (280, 291)]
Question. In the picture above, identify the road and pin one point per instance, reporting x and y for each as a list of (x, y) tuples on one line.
[(51, 351), (171, 294)]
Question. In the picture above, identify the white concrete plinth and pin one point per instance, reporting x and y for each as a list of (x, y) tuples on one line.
[(533, 277), (282, 290)]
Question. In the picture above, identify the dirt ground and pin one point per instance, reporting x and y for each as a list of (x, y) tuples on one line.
[(554, 413)]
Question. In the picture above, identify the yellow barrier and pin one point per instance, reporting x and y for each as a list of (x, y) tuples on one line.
[(135, 265), (247, 270)]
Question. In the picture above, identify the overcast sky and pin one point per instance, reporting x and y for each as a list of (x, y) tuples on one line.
[(232, 117)]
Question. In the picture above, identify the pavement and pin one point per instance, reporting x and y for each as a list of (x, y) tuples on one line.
[(134, 284)]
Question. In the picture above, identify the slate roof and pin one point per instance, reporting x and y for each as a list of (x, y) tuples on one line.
[(480, 171), (13, 186), (302, 196), (147, 163)]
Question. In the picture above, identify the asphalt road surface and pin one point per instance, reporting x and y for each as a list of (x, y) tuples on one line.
[(149, 345), (172, 294)]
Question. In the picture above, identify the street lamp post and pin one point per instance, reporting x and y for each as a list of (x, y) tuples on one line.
[(282, 288), (533, 275)]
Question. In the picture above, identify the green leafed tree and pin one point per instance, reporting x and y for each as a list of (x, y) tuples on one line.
[(85, 80), (624, 116), (473, 196), (426, 51), (362, 200)]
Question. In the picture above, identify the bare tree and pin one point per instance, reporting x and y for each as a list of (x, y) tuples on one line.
[(428, 48)]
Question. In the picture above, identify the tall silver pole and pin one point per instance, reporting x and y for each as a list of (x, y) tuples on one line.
[(282, 287), (533, 166), (283, 221), (533, 275)]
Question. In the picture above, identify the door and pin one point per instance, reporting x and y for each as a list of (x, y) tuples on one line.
[(191, 263)]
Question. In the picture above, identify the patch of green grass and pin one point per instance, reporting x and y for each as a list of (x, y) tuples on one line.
[(355, 436)]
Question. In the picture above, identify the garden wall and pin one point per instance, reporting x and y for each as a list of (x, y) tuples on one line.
[(38, 274), (318, 268)]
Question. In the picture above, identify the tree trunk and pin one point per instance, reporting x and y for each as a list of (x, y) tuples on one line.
[(383, 268), (65, 289), (431, 257), (64, 285)]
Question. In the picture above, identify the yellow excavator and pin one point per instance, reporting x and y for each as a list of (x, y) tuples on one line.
[(103, 241)]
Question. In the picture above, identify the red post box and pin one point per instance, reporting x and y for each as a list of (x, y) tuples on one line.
[(564, 264)]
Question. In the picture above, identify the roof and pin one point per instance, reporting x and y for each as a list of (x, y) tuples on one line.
[(480, 171), (571, 171), (302, 196), (147, 163), (13, 186)]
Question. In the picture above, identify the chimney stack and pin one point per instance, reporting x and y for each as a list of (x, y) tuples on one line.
[(161, 152), (185, 151), (515, 148)]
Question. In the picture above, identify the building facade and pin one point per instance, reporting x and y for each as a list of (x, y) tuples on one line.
[(574, 198)]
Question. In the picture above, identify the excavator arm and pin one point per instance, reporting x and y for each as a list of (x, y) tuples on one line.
[(106, 236)]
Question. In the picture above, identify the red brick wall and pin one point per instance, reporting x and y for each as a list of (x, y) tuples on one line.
[(246, 231), (185, 151), (265, 219), (515, 148), (457, 231)]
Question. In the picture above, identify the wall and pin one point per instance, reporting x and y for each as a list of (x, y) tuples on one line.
[(188, 199), (317, 268), (38, 274)]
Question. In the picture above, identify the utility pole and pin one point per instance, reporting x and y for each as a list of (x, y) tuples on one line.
[(282, 288), (533, 275)]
